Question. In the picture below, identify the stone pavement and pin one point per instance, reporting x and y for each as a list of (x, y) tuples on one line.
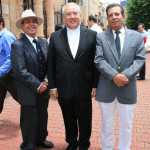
[(10, 135)]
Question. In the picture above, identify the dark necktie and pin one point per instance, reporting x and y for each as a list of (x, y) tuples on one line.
[(117, 42), (42, 61)]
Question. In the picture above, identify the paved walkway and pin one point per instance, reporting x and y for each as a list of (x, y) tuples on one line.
[(10, 135)]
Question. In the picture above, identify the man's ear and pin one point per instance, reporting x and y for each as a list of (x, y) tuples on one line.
[(124, 17), (1, 26)]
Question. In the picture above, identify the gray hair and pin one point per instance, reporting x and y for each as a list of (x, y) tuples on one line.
[(71, 4)]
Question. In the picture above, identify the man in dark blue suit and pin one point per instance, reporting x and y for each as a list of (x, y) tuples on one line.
[(29, 61)]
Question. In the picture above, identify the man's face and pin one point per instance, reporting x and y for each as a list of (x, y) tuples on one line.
[(72, 17), (29, 26), (115, 18), (140, 29)]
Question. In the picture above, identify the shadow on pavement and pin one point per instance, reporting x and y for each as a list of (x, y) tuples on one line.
[(8, 129)]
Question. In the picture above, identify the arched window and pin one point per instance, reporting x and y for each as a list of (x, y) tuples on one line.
[(80, 2), (28, 4)]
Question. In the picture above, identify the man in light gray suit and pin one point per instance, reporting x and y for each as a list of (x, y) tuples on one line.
[(119, 57)]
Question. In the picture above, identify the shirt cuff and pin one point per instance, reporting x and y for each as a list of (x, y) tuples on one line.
[(53, 89), (46, 78), (39, 86)]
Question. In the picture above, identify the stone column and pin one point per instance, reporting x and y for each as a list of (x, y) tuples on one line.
[(38, 10), (15, 11), (48, 4), (16, 14), (5, 13), (11, 11)]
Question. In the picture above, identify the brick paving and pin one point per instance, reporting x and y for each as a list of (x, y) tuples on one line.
[(10, 135)]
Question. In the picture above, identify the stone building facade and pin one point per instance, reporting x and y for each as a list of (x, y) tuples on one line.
[(49, 10), (12, 10), (103, 18), (95, 8)]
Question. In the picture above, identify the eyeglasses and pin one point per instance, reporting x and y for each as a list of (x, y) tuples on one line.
[(68, 14)]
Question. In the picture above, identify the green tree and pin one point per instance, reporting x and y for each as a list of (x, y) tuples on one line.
[(75, 1), (138, 11)]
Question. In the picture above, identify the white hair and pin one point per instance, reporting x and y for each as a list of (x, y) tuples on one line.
[(71, 4)]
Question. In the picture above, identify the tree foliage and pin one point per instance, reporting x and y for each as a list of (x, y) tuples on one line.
[(138, 11), (75, 1)]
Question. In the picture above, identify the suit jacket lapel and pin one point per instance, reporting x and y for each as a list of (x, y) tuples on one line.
[(127, 41), (43, 48), (29, 47), (111, 43), (83, 35), (65, 41)]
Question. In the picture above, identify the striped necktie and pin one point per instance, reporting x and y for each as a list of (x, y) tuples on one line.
[(42, 61)]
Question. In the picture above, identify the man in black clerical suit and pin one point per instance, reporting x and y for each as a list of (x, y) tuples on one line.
[(72, 76)]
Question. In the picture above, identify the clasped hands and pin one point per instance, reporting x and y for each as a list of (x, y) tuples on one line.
[(43, 87), (120, 80)]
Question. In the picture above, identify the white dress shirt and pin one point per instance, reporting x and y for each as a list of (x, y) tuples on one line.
[(96, 28), (34, 45), (73, 39), (31, 40), (121, 35)]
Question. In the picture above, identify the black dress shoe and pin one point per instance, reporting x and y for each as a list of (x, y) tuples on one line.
[(28, 146), (46, 144), (72, 147)]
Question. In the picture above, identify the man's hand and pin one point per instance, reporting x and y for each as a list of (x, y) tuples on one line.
[(45, 82), (93, 93), (43, 87), (120, 80), (54, 93)]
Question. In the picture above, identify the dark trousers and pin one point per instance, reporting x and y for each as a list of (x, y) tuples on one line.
[(7, 83), (33, 123), (77, 115), (142, 71)]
